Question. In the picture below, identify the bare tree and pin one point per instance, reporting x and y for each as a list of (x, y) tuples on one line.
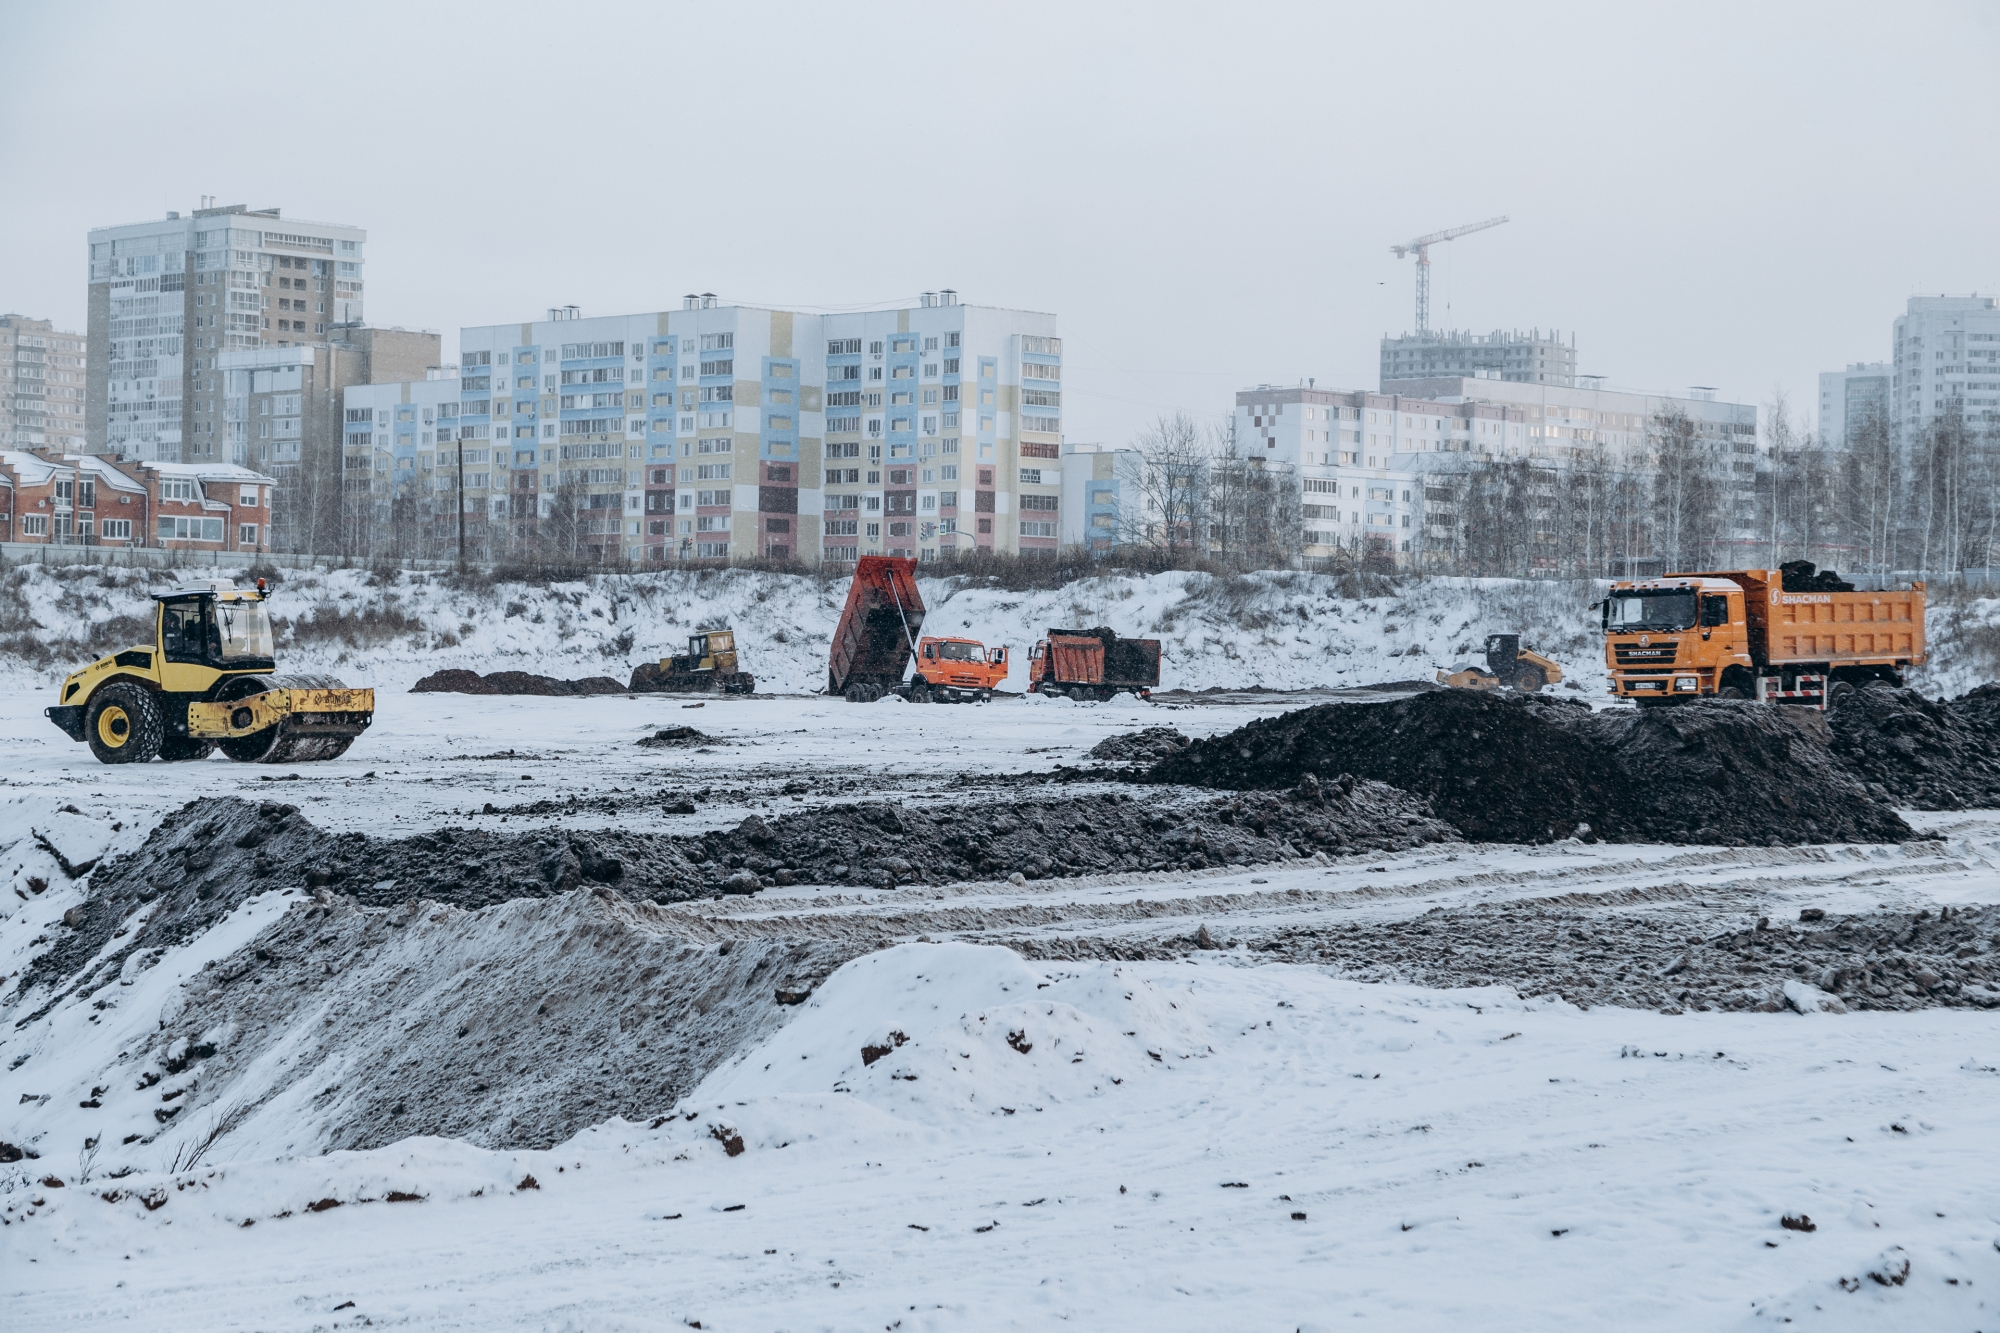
[(1688, 493), (1173, 472)]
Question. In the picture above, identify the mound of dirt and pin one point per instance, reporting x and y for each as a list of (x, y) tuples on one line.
[(1528, 769), (676, 737), (211, 855), (1920, 752), (456, 681), (1149, 745)]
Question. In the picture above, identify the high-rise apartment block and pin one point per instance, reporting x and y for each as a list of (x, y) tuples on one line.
[(41, 385), (726, 431), (1946, 359), (1533, 357), (1849, 397), (169, 298)]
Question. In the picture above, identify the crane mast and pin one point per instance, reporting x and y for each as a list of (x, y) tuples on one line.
[(1421, 247)]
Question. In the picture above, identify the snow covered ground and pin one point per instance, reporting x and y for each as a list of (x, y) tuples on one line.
[(1104, 1144), (947, 1137)]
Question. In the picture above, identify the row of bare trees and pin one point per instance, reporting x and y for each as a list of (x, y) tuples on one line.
[(1686, 498), (1194, 497)]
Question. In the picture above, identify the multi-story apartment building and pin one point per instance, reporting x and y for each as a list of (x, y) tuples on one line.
[(1946, 359), (1847, 397), (72, 499), (718, 431), (169, 298), (401, 448), (1103, 496), (1533, 357), (41, 385), (1362, 460), (279, 410)]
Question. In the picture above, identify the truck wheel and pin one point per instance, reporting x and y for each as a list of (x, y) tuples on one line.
[(1839, 692), (183, 749), (1731, 692), (920, 693), (123, 725)]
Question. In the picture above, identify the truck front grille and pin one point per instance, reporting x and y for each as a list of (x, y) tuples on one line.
[(1657, 654)]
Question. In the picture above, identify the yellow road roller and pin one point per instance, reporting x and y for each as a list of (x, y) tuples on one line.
[(206, 681)]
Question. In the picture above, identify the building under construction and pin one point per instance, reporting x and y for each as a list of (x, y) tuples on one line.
[(1536, 356)]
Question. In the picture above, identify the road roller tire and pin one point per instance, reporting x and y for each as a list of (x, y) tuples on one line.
[(123, 725)]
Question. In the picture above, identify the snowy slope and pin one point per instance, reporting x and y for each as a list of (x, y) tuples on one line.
[(1135, 1146), (1278, 630)]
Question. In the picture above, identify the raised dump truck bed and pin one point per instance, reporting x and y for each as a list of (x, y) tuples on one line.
[(877, 630)]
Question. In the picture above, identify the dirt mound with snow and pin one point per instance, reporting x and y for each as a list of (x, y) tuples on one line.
[(1149, 744), (211, 855), (1529, 769), (513, 1025), (512, 682), (1922, 752)]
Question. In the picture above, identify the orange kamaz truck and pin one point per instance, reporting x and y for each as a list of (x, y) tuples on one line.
[(1775, 635)]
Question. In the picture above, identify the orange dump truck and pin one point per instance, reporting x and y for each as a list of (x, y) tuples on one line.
[(1765, 634), (877, 638), (1093, 664)]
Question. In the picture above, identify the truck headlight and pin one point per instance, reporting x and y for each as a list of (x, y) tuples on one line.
[(1686, 683)]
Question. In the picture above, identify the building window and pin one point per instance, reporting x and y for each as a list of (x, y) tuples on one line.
[(246, 534)]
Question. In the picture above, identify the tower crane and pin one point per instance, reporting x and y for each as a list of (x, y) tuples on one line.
[(1422, 246)]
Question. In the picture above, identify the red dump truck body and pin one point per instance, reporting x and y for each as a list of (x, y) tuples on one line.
[(1093, 664), (878, 628)]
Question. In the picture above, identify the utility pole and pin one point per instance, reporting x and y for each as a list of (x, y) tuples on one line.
[(461, 506)]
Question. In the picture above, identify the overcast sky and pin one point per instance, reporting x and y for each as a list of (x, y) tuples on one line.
[(1739, 195)]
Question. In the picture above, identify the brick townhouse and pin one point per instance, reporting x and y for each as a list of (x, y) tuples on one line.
[(58, 499)]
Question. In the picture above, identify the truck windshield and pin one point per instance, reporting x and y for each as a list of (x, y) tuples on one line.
[(244, 629), (958, 652), (1649, 610)]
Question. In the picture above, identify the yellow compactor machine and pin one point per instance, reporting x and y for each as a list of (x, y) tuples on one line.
[(206, 681)]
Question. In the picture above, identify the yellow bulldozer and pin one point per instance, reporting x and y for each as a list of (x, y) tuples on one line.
[(1508, 665), (205, 681), (708, 665)]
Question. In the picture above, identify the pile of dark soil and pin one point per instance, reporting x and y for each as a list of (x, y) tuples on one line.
[(1509, 768), (1798, 576), (1668, 961), (512, 682), (1150, 745), (210, 855), (675, 737), (1920, 752)]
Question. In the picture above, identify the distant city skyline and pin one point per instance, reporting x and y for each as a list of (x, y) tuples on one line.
[(1205, 208)]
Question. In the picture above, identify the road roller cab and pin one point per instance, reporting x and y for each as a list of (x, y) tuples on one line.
[(205, 681)]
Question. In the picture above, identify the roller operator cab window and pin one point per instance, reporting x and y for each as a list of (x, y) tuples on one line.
[(243, 630), (1629, 612), (223, 633), (183, 630)]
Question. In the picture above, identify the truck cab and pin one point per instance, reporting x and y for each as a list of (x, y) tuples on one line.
[(1677, 637), (960, 669)]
